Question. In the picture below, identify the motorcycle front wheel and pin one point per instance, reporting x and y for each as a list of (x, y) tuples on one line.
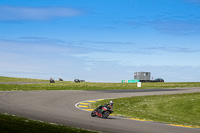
[(93, 114), (105, 114)]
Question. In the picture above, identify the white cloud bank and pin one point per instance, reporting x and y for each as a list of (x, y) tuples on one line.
[(8, 13)]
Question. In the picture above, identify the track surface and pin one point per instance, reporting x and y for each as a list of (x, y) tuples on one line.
[(59, 107)]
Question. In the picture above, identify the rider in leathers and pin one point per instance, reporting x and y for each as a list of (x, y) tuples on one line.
[(108, 106)]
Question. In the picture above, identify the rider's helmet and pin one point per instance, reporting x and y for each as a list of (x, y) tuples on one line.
[(111, 103)]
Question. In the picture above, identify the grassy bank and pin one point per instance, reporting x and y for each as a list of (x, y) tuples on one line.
[(92, 86), (12, 79), (68, 85), (13, 124), (180, 109)]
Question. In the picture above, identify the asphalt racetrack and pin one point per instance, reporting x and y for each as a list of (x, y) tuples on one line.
[(59, 107)]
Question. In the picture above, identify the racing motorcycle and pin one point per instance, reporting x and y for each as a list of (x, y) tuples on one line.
[(102, 111)]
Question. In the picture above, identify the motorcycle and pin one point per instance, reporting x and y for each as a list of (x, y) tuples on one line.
[(105, 112)]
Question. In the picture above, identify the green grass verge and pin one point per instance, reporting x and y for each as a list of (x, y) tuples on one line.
[(92, 86), (68, 85), (183, 109), (12, 79), (14, 124)]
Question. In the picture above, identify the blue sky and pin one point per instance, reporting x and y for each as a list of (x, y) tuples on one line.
[(100, 40)]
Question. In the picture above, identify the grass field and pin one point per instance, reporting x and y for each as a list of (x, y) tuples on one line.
[(14, 124), (12, 79), (68, 85), (182, 109)]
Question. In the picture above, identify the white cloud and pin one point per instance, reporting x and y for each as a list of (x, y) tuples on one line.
[(194, 1), (8, 13), (88, 69)]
